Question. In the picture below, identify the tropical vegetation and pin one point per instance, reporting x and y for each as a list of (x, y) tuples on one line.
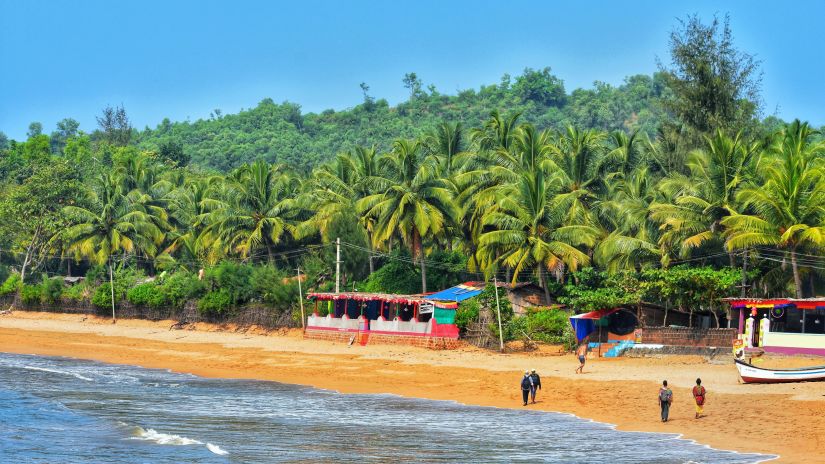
[(670, 178)]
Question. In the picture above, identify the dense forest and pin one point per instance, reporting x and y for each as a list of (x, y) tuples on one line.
[(669, 188)]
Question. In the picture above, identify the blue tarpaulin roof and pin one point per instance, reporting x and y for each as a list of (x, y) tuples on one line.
[(460, 292), (585, 324)]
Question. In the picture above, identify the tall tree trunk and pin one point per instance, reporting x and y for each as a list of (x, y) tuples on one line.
[(372, 264), (797, 280), (812, 282), (418, 248), (744, 273), (715, 315), (423, 274), (509, 272), (664, 321), (543, 281), (269, 252), (23, 268)]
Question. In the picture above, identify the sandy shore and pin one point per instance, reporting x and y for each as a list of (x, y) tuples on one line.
[(787, 420)]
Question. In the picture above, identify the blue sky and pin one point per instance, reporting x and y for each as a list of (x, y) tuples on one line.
[(182, 59)]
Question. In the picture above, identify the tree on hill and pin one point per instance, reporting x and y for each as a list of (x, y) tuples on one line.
[(716, 86)]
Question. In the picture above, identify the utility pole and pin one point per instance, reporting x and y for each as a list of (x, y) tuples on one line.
[(301, 300), (337, 264), (498, 310), (112, 288)]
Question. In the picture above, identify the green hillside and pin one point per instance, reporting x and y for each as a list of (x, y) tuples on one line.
[(282, 133)]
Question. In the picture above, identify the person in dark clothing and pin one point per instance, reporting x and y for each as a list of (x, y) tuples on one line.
[(534, 377), (665, 400), (526, 386)]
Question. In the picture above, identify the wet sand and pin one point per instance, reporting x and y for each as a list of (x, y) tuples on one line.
[(783, 419)]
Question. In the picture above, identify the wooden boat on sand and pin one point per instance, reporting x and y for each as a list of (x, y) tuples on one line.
[(753, 374)]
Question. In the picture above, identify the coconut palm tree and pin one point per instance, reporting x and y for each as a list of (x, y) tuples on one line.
[(787, 201), (188, 206), (527, 229), (702, 199), (631, 239), (418, 205), (253, 211), (335, 188), (114, 223), (576, 157)]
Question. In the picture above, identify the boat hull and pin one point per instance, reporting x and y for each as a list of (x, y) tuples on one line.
[(753, 374)]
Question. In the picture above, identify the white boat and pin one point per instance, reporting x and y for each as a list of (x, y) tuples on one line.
[(753, 374)]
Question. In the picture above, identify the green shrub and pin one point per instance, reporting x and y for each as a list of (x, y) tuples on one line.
[(234, 279), (52, 289), (10, 285), (215, 303), (542, 325), (125, 279), (275, 287), (466, 313), (263, 281), (147, 294), (102, 297), (97, 274), (30, 294), (180, 287), (75, 292), (396, 276)]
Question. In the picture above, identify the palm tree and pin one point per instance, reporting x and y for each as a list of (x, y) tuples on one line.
[(632, 237), (417, 205), (334, 190), (788, 202), (446, 144), (497, 133), (114, 222), (626, 155), (576, 157), (253, 211), (188, 206), (703, 199), (527, 229)]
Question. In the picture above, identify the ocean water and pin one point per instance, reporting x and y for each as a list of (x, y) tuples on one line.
[(60, 410)]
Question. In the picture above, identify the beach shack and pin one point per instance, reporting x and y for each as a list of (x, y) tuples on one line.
[(383, 318), (608, 331), (781, 325)]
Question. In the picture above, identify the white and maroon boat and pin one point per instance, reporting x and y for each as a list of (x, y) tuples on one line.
[(753, 374)]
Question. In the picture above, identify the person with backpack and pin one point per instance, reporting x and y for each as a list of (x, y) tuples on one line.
[(534, 377), (526, 386), (665, 400), (699, 393)]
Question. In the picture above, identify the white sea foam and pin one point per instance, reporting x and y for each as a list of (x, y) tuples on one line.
[(162, 438), (55, 371), (139, 433), (216, 449)]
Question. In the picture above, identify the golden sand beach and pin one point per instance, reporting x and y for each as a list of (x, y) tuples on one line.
[(786, 419)]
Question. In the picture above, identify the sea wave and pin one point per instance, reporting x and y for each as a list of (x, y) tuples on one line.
[(56, 371), (216, 449), (139, 433)]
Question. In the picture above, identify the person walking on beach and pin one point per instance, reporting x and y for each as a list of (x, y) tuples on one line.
[(534, 377), (581, 352), (526, 386), (699, 393), (665, 400)]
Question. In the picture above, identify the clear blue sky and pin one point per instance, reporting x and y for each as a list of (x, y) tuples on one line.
[(182, 59)]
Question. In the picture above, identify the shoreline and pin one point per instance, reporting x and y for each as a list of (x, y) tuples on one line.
[(619, 392)]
